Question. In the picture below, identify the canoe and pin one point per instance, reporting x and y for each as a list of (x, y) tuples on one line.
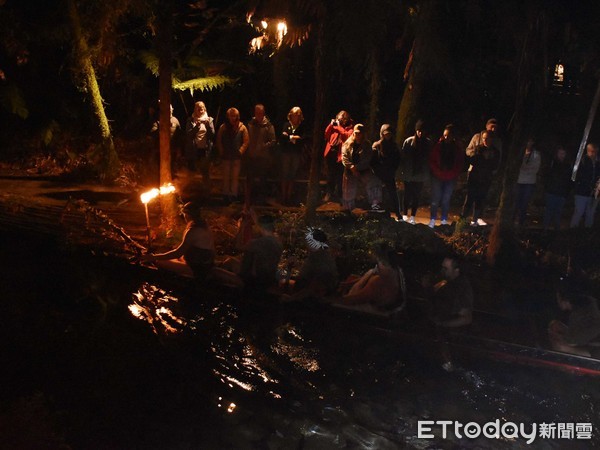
[(477, 340), (481, 339)]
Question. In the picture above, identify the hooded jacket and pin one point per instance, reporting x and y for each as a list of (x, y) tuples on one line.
[(261, 137), (386, 154)]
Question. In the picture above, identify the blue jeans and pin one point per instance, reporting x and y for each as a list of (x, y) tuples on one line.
[(553, 211), (584, 206), (524, 193), (441, 192)]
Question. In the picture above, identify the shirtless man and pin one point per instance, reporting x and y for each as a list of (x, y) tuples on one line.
[(581, 334), (382, 286), (452, 297)]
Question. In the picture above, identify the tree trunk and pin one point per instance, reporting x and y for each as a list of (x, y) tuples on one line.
[(418, 68), (165, 37), (503, 245), (374, 75), (314, 189), (109, 160)]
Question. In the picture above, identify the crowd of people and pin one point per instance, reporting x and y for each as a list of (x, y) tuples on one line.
[(352, 161)]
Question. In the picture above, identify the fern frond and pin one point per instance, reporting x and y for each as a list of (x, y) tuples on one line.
[(204, 83)]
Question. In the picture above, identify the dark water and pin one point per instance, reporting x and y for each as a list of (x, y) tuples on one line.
[(96, 354)]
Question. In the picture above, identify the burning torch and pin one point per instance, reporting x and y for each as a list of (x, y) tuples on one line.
[(147, 196)]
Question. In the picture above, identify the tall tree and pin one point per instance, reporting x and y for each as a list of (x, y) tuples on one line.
[(109, 160), (529, 74)]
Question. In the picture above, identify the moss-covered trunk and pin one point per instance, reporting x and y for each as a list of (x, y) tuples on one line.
[(419, 68), (109, 160)]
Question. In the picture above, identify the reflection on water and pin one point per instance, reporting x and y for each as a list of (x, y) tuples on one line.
[(155, 306), (165, 367), (341, 386)]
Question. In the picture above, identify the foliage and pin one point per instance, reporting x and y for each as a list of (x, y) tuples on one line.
[(190, 78), (13, 101)]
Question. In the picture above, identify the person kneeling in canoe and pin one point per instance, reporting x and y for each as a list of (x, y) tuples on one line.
[(258, 267), (195, 255), (382, 288), (318, 277), (581, 334)]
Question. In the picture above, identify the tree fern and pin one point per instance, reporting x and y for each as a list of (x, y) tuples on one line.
[(191, 76)]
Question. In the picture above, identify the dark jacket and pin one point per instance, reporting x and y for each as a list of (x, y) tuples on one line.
[(386, 156), (288, 146), (485, 161), (414, 157), (557, 179), (588, 174)]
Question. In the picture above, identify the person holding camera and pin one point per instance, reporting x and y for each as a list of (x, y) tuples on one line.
[(336, 133), (200, 134)]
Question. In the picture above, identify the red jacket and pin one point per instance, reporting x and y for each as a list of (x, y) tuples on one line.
[(335, 136), (436, 165)]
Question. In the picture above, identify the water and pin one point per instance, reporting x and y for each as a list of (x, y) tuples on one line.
[(99, 355)]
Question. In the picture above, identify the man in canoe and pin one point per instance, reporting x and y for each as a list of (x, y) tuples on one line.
[(261, 257), (452, 297), (580, 334), (381, 288), (318, 277)]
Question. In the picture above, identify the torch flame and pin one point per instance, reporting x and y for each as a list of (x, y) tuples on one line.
[(167, 189), (155, 192)]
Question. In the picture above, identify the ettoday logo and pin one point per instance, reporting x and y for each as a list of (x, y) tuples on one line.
[(507, 430)]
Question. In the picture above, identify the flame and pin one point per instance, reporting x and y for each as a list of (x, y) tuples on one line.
[(167, 189), (281, 32), (155, 192), (149, 195)]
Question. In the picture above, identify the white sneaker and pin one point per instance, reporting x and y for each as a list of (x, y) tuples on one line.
[(444, 222), (411, 220), (431, 223), (405, 218), (481, 223), (474, 224), (376, 208)]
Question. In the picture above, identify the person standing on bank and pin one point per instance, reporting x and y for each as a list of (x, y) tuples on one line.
[(256, 159), (530, 166), (415, 170), (232, 142), (356, 157), (199, 137), (445, 163), (491, 127), (484, 163), (587, 187), (386, 158), (336, 133), (292, 144), (557, 184)]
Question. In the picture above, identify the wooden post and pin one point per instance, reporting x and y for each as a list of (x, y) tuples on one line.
[(586, 131)]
